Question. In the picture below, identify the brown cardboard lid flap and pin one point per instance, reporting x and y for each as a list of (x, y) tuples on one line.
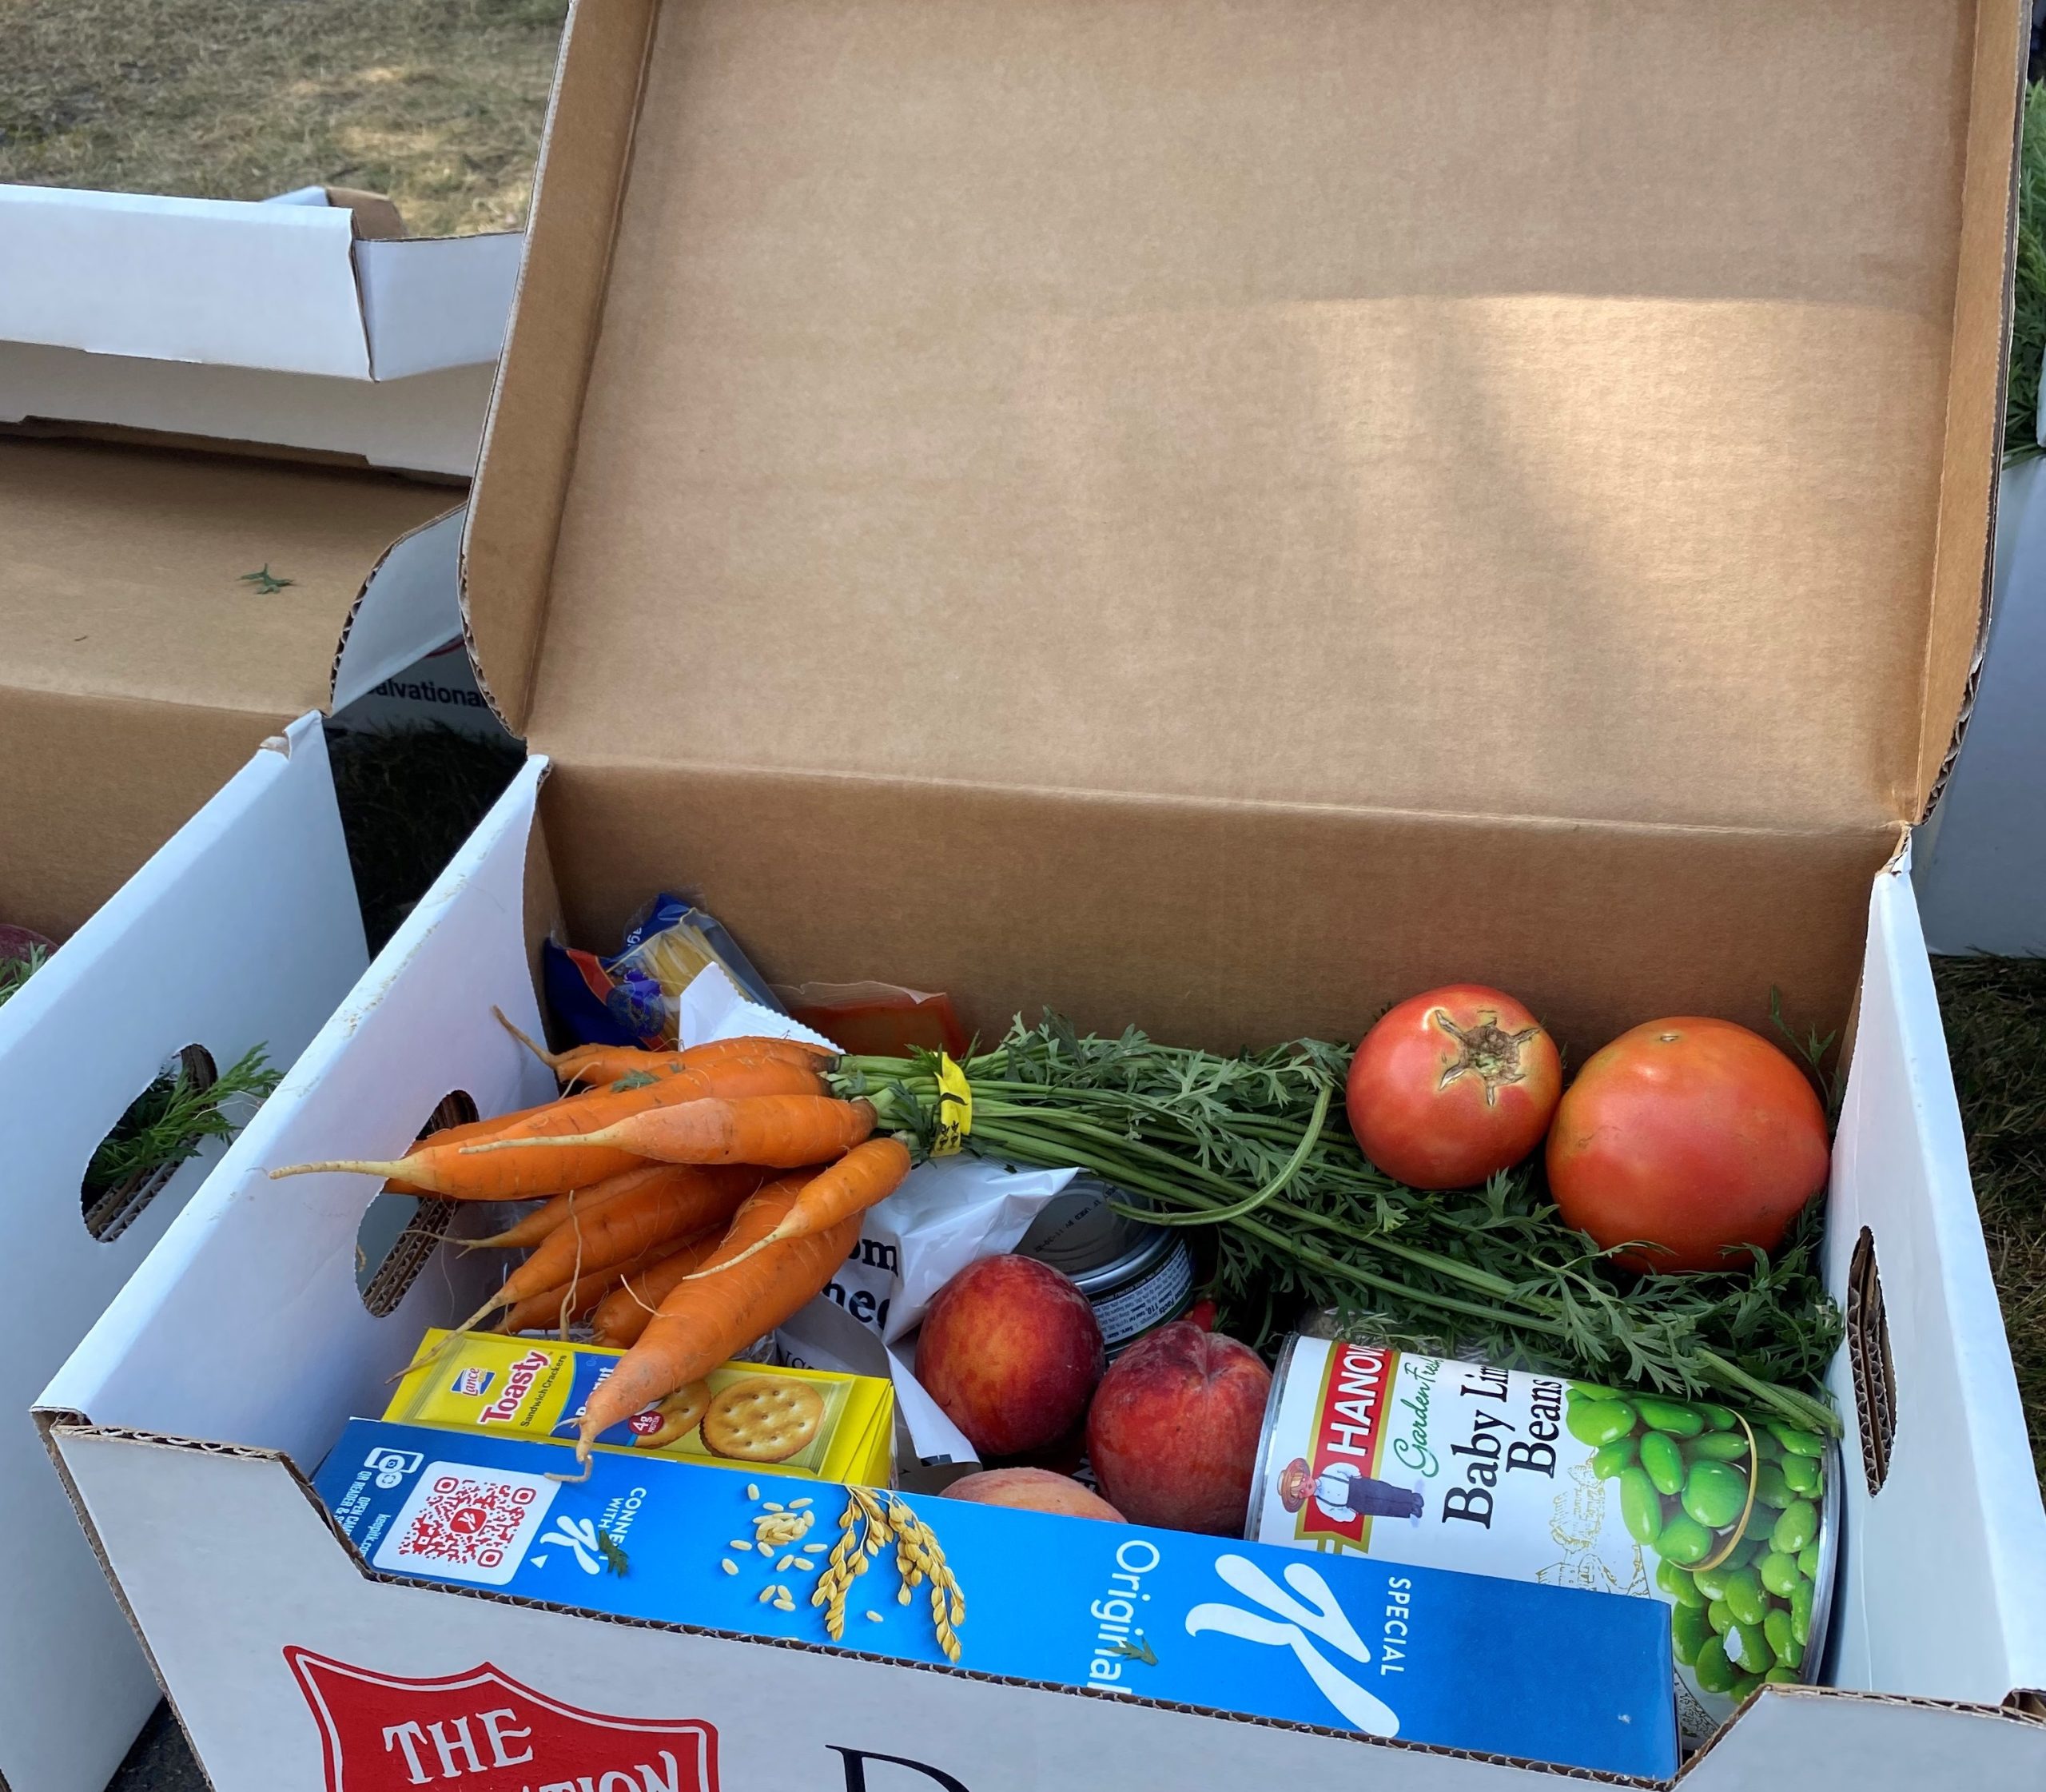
[(131, 573), (1427, 405)]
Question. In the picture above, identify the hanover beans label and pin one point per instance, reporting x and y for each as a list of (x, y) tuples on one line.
[(1721, 1516)]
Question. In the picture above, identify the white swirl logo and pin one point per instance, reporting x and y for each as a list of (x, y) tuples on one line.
[(1294, 1626)]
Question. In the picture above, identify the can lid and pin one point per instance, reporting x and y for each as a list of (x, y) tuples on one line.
[(1082, 1236)]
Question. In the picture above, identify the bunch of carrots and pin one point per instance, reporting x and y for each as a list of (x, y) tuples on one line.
[(694, 1200)]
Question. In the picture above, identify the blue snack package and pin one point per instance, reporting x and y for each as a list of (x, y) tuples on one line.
[(1524, 1670), (629, 998)]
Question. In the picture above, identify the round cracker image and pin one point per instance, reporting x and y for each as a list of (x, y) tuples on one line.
[(680, 1414), (763, 1419)]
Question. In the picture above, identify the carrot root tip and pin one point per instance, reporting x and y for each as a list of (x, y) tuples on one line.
[(538, 1050), (352, 1166)]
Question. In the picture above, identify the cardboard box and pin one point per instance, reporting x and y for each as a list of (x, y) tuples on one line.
[(1209, 1621), (167, 812), (242, 930), (1207, 519), (309, 322)]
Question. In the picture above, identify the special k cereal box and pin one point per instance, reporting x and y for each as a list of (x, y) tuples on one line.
[(802, 1422), (1342, 1642)]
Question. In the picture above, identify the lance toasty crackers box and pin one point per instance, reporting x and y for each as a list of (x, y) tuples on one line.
[(1539, 1673), (747, 1415)]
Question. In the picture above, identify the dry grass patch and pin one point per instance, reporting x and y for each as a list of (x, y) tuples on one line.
[(1994, 1012), (436, 102)]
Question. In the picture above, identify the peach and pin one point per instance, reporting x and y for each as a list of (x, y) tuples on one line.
[(1172, 1433), (1032, 1490), (1010, 1349)]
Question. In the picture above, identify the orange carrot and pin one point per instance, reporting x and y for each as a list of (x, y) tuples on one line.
[(562, 1306), (536, 1223), (443, 1171), (469, 1132), (551, 1165), (584, 1203), (868, 1173), (681, 1200), (703, 1320), (622, 1316), (784, 1131), (603, 1063)]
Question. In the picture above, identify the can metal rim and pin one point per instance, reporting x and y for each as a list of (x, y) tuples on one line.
[(1146, 1254), (1261, 1462), (1828, 1562)]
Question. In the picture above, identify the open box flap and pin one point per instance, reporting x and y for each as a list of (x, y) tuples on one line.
[(139, 665), (1248, 406), (320, 282)]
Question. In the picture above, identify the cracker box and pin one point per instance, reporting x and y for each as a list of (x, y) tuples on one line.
[(806, 1422), (1538, 1673)]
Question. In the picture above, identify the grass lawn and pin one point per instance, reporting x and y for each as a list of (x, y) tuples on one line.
[(1994, 1011), (436, 102)]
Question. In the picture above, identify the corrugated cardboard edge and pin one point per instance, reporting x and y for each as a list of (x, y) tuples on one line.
[(355, 609), (374, 215), (121, 435), (585, 147), (1960, 621), (47, 1424)]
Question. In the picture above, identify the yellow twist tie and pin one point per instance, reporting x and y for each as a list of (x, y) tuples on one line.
[(955, 1108)]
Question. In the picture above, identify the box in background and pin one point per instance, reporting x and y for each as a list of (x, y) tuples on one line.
[(169, 617), (137, 312)]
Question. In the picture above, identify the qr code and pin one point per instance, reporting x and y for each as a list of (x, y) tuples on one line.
[(461, 1523)]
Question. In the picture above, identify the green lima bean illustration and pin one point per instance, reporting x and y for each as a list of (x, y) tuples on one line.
[(1740, 1615)]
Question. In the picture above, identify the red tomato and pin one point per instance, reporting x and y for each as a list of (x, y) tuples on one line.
[(1695, 1135), (1451, 1085)]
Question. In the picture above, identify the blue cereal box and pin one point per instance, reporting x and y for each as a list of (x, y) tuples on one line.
[(1504, 1667)]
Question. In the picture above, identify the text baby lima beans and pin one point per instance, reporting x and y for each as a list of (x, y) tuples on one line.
[(1424, 1460)]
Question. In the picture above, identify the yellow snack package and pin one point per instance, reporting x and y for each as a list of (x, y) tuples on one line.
[(804, 1422)]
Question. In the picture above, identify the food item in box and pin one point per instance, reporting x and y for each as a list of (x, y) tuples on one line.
[(1135, 1276), (1458, 1661), (1726, 1520), (1696, 1137), (630, 997), (1172, 1432), (1252, 1148), (1011, 1351), (804, 1421), (662, 1207), (1032, 1490), (705, 1317), (1452, 1086), (878, 1020), (555, 1149)]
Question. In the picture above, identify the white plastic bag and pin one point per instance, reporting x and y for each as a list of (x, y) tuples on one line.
[(948, 1211)]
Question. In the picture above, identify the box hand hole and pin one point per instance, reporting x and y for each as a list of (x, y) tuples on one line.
[(157, 1134), (399, 1233), (1868, 1357)]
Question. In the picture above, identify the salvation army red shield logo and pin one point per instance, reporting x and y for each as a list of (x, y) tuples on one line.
[(482, 1731)]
